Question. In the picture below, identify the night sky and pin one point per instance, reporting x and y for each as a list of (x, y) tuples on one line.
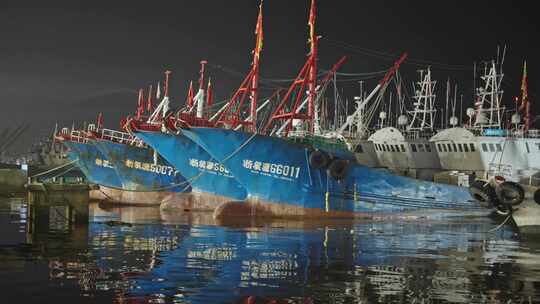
[(67, 61)]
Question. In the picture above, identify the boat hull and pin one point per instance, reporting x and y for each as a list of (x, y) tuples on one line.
[(211, 184), (279, 178), (139, 171)]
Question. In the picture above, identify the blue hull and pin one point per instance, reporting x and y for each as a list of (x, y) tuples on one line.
[(93, 164), (136, 169), (196, 165), (276, 171)]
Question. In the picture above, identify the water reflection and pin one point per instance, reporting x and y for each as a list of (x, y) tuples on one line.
[(134, 254)]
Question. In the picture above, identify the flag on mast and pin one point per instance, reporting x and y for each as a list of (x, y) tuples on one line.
[(140, 106), (150, 106), (311, 24), (190, 95), (259, 33), (525, 105), (209, 96)]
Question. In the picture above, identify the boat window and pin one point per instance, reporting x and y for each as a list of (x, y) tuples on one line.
[(466, 147), (538, 145), (484, 147), (472, 147), (444, 148), (439, 148), (428, 148), (491, 147), (359, 149), (403, 148), (385, 147), (378, 147), (392, 148), (413, 146), (420, 148), (454, 146), (449, 147), (460, 147), (499, 148)]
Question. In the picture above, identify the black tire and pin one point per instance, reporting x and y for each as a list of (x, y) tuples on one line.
[(503, 209), (338, 169), (483, 192), (536, 196), (510, 193), (318, 159)]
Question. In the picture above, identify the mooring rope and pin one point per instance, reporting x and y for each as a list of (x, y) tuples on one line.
[(54, 169)]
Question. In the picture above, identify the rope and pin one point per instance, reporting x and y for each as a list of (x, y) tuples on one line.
[(54, 169), (500, 225)]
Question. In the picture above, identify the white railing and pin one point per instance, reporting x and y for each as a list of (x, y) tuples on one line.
[(78, 136), (120, 137)]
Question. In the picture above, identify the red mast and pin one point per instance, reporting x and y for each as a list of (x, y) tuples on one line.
[(306, 78), (231, 116), (140, 104)]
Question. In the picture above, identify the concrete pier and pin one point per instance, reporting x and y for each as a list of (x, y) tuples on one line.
[(70, 200)]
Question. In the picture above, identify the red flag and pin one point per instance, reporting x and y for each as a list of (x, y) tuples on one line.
[(150, 106), (140, 105), (190, 95), (259, 33), (311, 24), (209, 96), (100, 120)]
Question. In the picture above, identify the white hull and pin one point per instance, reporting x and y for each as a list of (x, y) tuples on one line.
[(516, 159)]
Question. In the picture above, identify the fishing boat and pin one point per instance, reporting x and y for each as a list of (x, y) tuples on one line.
[(486, 145), (125, 169), (211, 183), (284, 177), (93, 164), (406, 149)]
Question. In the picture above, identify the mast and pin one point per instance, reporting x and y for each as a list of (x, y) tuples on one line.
[(424, 111), (307, 78), (231, 117), (488, 98)]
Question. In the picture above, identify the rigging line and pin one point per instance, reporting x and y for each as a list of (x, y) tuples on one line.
[(387, 56)]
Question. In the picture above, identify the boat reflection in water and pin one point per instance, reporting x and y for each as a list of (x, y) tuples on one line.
[(142, 254)]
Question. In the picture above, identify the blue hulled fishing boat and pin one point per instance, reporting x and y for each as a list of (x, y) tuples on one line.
[(290, 174)]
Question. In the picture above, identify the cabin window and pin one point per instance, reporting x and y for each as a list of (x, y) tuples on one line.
[(420, 148), (378, 147), (484, 147), (460, 146), (491, 148), (538, 145), (359, 149), (413, 146), (392, 148), (385, 148), (466, 147), (472, 147), (499, 148), (439, 148), (454, 146), (444, 147), (403, 148), (428, 148)]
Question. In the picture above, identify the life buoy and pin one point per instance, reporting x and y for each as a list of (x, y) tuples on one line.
[(318, 159), (338, 169), (483, 192), (536, 196), (510, 193)]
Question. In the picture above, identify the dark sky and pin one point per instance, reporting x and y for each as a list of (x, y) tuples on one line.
[(67, 61)]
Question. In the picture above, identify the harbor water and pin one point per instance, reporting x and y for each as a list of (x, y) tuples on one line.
[(146, 255)]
